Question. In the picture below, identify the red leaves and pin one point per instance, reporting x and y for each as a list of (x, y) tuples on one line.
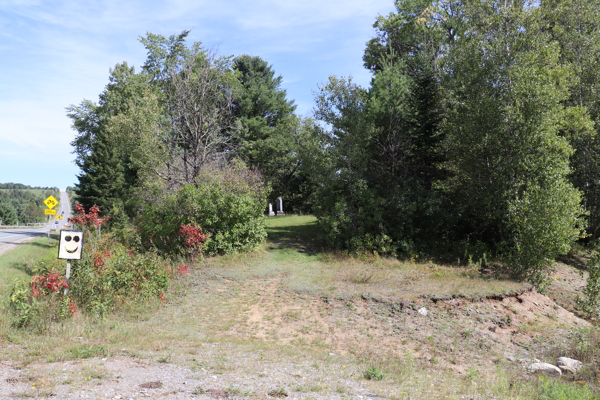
[(72, 307), (193, 239), (192, 235), (183, 269), (50, 282), (89, 219)]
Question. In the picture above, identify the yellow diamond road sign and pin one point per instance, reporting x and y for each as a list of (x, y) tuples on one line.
[(50, 202), (49, 212)]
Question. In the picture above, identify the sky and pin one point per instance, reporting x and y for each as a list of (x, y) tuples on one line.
[(57, 53)]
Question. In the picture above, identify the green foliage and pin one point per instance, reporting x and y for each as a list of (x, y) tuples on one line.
[(228, 203), (462, 137), (110, 275), (374, 374), (8, 214), (23, 204), (38, 303), (546, 223), (589, 302), (37, 313), (550, 389)]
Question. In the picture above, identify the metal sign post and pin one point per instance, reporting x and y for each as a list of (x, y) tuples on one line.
[(67, 276)]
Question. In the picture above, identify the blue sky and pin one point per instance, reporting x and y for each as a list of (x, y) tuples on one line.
[(57, 53)]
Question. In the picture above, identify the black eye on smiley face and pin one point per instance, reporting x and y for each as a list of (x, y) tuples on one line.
[(68, 238)]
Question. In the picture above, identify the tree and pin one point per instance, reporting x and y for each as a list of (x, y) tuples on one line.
[(575, 26), (8, 215), (271, 137), (199, 96), (510, 162), (101, 181), (90, 120)]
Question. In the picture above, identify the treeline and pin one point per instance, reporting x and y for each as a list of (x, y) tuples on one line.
[(23, 204), (11, 185), (476, 136)]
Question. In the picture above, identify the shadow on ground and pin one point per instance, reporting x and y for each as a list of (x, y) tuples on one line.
[(304, 238)]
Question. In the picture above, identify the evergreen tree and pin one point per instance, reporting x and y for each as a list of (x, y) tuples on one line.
[(102, 177)]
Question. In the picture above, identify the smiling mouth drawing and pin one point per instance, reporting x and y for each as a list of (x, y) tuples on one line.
[(69, 246)]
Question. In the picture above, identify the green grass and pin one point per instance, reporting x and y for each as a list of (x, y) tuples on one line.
[(18, 263)]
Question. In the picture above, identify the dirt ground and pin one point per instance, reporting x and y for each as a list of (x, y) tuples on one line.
[(456, 336)]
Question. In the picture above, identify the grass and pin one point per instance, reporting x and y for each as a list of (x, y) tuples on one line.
[(289, 303), (18, 263)]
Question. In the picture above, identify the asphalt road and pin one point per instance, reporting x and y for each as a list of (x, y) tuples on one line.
[(16, 235)]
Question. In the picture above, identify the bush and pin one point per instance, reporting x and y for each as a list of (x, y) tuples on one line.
[(546, 221), (589, 303), (373, 374), (112, 274), (227, 203), (40, 302)]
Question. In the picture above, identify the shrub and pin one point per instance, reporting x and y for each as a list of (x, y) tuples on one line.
[(227, 203), (38, 303), (373, 374), (589, 303), (545, 222), (113, 274)]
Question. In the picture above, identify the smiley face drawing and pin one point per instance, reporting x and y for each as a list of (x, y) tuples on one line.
[(71, 245)]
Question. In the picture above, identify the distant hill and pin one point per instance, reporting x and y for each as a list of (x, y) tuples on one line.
[(11, 185), (21, 204)]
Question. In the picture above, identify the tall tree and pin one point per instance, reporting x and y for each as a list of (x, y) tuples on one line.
[(90, 120), (510, 187), (575, 26), (271, 136)]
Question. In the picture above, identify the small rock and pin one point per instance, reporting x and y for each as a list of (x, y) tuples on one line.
[(510, 358), (568, 364), (544, 368), (423, 311), (152, 385)]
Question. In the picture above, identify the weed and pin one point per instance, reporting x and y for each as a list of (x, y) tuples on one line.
[(198, 391), (373, 374), (551, 389), (278, 392), (85, 351)]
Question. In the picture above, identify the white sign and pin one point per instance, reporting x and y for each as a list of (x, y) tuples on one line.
[(70, 246)]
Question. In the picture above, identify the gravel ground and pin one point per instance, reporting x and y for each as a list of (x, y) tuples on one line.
[(122, 377)]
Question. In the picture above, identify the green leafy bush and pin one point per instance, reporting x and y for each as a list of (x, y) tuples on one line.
[(589, 303), (111, 275), (227, 203), (40, 302), (374, 374)]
